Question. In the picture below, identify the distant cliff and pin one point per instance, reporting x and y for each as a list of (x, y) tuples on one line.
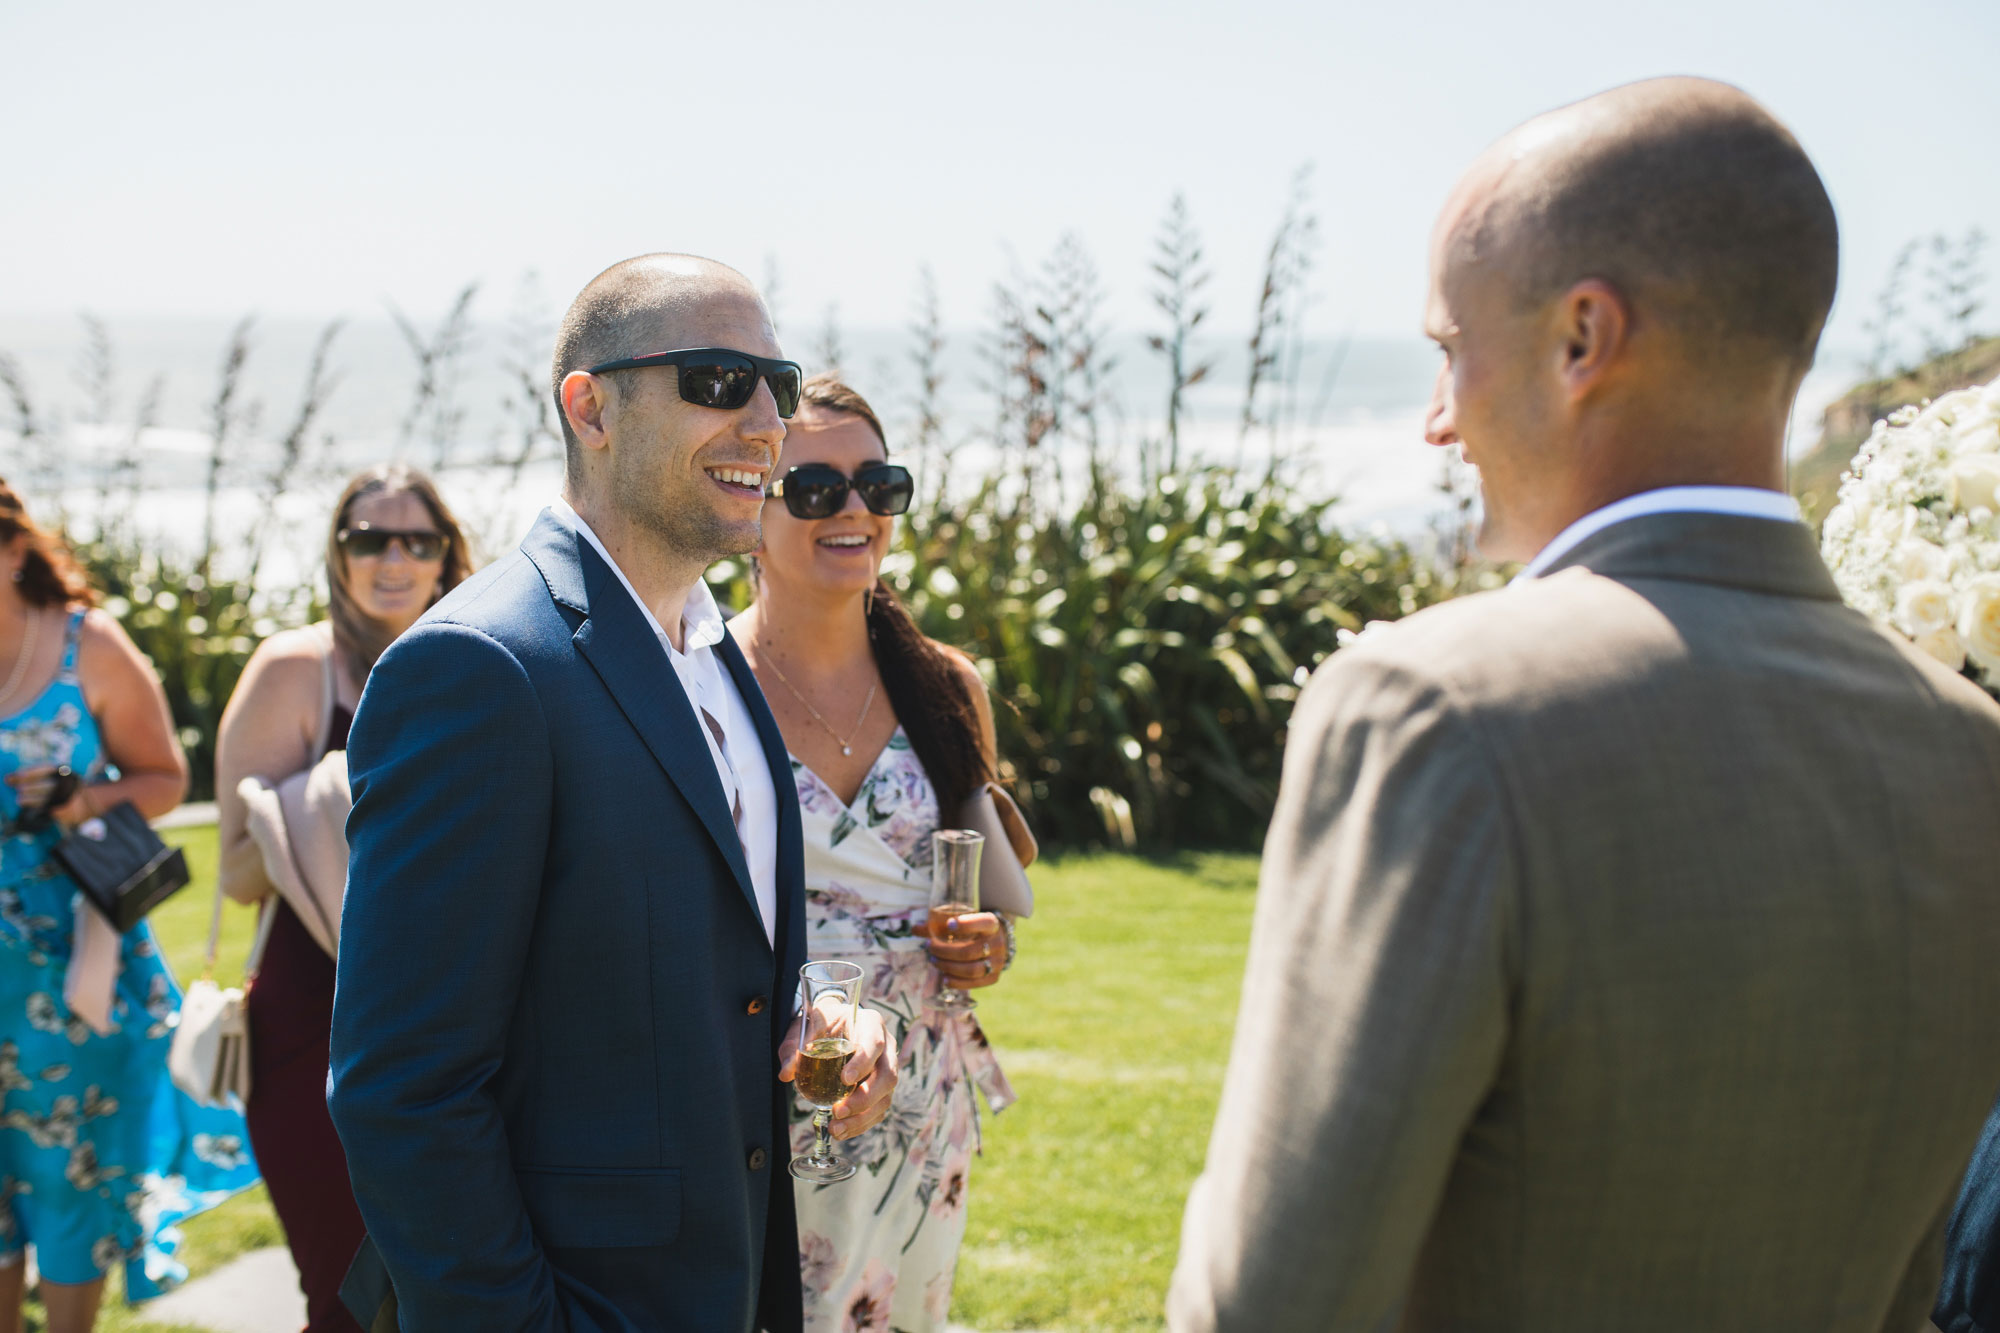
[(1816, 476)]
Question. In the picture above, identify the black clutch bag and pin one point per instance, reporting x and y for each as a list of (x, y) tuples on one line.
[(121, 865)]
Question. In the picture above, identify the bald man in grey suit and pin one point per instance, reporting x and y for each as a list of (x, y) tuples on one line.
[(1624, 956)]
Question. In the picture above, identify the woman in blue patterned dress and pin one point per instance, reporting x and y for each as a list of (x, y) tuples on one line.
[(100, 1156), (887, 731)]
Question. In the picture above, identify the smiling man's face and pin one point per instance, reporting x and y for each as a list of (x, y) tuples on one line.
[(695, 476), (1497, 396)]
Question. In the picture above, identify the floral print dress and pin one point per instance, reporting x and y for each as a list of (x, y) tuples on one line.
[(877, 1251), (100, 1155)]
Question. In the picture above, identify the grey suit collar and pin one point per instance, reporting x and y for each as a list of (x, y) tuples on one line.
[(1754, 554)]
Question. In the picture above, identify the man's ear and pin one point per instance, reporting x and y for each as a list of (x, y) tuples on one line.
[(1594, 323), (585, 399)]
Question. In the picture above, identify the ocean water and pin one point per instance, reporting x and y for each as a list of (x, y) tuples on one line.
[(1351, 417)]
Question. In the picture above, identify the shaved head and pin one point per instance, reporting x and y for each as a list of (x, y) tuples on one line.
[(1686, 196), (635, 307)]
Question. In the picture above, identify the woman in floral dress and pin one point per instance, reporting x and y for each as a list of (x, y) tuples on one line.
[(885, 729), (100, 1156)]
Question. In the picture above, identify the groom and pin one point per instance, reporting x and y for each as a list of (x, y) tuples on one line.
[(1624, 952), (575, 913)]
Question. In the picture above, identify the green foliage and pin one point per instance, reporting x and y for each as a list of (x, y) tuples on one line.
[(198, 633), (1146, 646)]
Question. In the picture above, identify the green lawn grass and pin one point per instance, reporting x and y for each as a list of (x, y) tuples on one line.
[(1113, 1026)]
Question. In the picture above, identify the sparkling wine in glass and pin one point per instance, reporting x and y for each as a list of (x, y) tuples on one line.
[(830, 996), (954, 893)]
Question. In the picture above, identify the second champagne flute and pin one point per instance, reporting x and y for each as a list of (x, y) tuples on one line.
[(829, 995), (954, 893)]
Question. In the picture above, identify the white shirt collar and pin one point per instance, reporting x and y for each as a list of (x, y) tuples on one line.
[(1740, 501), (702, 625)]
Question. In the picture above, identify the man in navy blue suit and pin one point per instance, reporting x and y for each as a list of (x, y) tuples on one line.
[(575, 911)]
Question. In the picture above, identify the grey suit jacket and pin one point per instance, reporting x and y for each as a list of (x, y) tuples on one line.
[(1624, 960)]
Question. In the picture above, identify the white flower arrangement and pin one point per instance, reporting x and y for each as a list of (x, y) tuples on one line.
[(1914, 538)]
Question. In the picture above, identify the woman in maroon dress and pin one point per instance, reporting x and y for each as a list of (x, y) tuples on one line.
[(394, 549)]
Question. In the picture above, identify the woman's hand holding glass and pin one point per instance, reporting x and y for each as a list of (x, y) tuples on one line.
[(970, 952)]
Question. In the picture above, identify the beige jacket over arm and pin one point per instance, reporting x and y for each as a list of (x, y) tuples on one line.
[(1625, 959)]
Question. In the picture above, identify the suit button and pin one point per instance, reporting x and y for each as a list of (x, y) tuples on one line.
[(757, 1159), (757, 1005)]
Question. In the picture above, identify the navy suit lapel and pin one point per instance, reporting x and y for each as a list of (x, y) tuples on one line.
[(620, 646), (791, 839)]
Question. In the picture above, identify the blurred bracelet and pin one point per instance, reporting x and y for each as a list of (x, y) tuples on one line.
[(1007, 929)]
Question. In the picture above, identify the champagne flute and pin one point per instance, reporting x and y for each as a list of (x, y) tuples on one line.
[(954, 893), (830, 995)]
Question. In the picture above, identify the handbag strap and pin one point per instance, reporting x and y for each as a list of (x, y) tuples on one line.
[(255, 962), (329, 694), (214, 934), (267, 915)]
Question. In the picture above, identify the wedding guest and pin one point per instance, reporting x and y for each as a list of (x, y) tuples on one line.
[(1622, 956), (392, 549), (575, 918), (884, 729), (99, 1153)]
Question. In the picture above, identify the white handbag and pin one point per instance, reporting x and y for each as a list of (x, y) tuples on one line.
[(210, 1057), (1010, 850)]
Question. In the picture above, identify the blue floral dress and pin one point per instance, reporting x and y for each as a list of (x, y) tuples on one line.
[(878, 1252), (100, 1155)]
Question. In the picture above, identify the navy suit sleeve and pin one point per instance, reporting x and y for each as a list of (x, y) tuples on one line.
[(452, 775), (1969, 1297)]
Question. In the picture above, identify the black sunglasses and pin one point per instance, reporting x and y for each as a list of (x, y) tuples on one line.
[(369, 542), (819, 490), (718, 377)]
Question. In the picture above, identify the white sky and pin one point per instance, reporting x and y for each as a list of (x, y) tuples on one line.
[(316, 160)]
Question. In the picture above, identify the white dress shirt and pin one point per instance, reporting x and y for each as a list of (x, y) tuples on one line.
[(1740, 501), (738, 755)]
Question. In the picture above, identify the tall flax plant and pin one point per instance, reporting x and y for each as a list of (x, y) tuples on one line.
[(1181, 274), (1277, 335), (927, 346), (1046, 368), (436, 415), (39, 457), (295, 451), (120, 473), (228, 417)]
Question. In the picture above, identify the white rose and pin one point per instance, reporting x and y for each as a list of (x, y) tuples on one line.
[(1924, 608), (1975, 482), (1917, 561), (1976, 433), (1945, 646), (1979, 622), (1947, 408)]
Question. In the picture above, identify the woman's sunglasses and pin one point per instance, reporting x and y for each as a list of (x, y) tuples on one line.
[(368, 542), (819, 490), (718, 377)]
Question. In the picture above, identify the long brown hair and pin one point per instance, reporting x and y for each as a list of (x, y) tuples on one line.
[(49, 574), (925, 687), (358, 635)]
